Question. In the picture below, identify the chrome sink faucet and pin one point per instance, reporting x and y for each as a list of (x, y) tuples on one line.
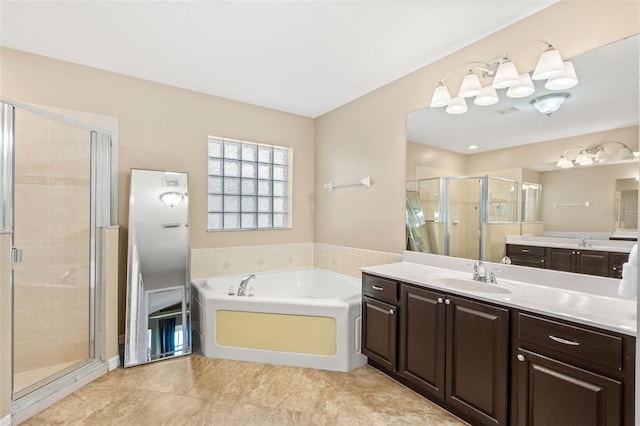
[(479, 271), (243, 284), (586, 242)]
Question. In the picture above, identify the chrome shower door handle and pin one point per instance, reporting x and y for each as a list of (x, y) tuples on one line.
[(16, 255)]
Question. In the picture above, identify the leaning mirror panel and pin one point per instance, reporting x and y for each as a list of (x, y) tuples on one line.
[(157, 322)]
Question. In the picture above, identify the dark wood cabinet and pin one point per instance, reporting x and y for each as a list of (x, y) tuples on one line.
[(556, 393), (477, 360), (562, 259), (531, 256), (380, 321), (422, 339), (615, 264), (493, 365), (455, 351), (564, 374), (379, 332), (591, 262)]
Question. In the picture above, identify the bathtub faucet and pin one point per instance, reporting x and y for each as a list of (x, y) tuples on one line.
[(243, 284)]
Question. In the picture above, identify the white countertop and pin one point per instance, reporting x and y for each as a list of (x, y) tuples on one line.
[(603, 311), (571, 243)]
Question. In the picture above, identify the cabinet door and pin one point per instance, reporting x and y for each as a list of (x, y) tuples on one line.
[(379, 332), (562, 259), (477, 359), (554, 393), (422, 339), (615, 264), (592, 262)]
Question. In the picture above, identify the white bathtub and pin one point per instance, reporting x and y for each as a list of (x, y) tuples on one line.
[(303, 317)]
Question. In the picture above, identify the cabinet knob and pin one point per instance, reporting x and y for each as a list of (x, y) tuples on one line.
[(577, 252), (447, 301), (520, 357), (573, 252), (615, 269), (440, 300), (541, 260), (391, 311)]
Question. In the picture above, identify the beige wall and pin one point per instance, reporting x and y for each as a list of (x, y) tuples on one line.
[(368, 135), (548, 151), (577, 185), (166, 128)]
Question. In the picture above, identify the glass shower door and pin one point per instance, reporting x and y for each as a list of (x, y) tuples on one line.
[(52, 222), (464, 222)]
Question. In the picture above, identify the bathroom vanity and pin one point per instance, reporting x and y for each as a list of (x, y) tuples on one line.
[(507, 353), (601, 258)]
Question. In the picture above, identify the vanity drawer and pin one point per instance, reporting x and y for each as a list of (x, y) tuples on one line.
[(380, 288), (588, 345), (526, 250)]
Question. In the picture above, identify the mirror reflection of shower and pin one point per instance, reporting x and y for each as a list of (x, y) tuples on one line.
[(463, 216)]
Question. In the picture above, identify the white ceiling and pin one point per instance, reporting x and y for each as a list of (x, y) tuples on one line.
[(303, 57)]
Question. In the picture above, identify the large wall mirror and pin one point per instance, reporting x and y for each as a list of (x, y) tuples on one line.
[(517, 149), (157, 322)]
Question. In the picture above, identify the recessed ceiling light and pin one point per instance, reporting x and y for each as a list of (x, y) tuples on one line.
[(472, 147)]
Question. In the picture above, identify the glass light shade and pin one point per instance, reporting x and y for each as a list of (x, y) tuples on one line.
[(171, 198), (506, 75), (470, 86), (488, 96), (441, 96), (548, 104), (564, 80), (564, 162), (549, 64), (602, 156), (584, 159), (457, 106), (523, 88), (624, 153)]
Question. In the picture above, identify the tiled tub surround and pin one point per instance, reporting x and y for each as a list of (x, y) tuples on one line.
[(224, 261), (303, 317)]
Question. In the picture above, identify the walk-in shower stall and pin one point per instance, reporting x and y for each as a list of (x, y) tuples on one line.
[(463, 215), (57, 188)]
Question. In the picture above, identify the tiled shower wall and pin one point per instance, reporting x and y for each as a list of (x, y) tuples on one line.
[(52, 179)]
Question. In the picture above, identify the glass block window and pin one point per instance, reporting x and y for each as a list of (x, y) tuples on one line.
[(248, 185)]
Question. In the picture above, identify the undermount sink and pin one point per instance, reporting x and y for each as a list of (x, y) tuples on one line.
[(470, 285)]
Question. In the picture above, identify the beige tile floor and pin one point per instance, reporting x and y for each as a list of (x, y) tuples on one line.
[(195, 390)]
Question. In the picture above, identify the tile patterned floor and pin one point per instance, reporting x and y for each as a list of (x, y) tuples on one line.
[(195, 390)]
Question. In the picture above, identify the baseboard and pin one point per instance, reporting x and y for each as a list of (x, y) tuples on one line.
[(114, 362), (6, 420)]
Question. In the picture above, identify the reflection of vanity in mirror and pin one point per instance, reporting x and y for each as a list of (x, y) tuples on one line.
[(556, 191), (157, 322)]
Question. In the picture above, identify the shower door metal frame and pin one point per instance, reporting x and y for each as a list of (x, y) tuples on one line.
[(102, 194)]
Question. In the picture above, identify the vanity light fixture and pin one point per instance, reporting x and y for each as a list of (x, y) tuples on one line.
[(171, 198), (501, 73), (597, 154)]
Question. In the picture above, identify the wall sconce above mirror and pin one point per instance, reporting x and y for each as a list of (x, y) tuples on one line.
[(501, 73), (604, 152)]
